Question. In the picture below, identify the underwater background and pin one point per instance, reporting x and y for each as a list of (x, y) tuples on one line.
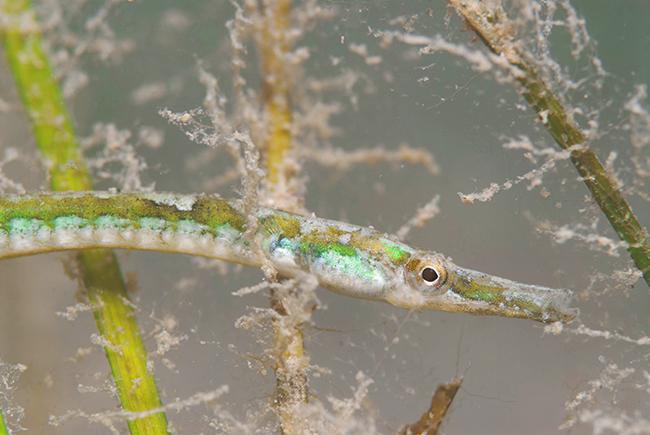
[(517, 378)]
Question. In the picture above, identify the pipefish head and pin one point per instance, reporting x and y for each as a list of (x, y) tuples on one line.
[(432, 281)]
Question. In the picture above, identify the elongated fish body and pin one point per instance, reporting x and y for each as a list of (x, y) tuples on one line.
[(351, 260)]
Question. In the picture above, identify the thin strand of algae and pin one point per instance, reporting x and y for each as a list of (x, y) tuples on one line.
[(491, 24), (100, 271)]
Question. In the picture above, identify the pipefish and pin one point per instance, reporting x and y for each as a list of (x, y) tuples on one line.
[(355, 261)]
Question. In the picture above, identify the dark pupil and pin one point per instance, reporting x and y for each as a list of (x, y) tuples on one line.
[(429, 274)]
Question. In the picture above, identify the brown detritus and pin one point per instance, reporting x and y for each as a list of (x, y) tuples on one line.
[(489, 21), (430, 421)]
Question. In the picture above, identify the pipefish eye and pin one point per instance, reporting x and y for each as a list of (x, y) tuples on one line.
[(427, 272), (430, 275)]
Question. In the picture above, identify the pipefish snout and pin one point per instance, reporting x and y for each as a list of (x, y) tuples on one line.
[(448, 287), (352, 260)]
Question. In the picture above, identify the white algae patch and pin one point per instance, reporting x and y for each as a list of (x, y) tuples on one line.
[(181, 202)]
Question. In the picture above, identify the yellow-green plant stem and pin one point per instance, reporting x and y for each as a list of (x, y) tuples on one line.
[(3, 426), (275, 91), (100, 271), (291, 360), (493, 27)]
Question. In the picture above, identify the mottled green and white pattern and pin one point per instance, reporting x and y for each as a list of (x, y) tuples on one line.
[(348, 259)]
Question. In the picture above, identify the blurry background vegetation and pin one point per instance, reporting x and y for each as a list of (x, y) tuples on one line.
[(517, 378)]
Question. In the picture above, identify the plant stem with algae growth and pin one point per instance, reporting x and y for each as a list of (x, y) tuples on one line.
[(493, 27), (100, 271), (292, 362)]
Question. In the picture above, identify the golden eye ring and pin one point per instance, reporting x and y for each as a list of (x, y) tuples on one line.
[(426, 272)]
